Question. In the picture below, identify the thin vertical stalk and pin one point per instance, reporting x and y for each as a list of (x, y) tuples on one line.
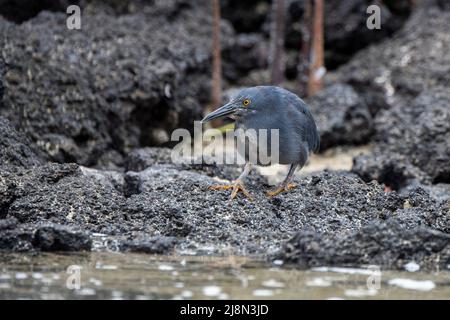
[(277, 61), (317, 68), (216, 94)]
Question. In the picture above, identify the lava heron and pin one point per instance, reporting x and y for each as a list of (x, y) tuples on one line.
[(270, 107)]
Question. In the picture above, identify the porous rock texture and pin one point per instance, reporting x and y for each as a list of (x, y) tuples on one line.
[(405, 83), (413, 143), (168, 207), (80, 110), (383, 243), (122, 81), (79, 95), (15, 148), (342, 116), (414, 60)]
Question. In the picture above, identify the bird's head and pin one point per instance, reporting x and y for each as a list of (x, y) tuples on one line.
[(247, 101)]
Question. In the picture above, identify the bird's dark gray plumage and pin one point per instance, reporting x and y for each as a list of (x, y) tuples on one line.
[(270, 107)]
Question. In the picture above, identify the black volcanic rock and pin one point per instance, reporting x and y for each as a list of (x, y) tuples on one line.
[(395, 72), (90, 92), (127, 82), (2, 75), (405, 82), (141, 159), (60, 238), (15, 148), (169, 207), (413, 143), (19, 11), (385, 244), (342, 116)]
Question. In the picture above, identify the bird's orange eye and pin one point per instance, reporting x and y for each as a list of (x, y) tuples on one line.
[(246, 102)]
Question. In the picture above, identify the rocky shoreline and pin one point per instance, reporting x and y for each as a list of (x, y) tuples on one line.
[(332, 218), (82, 167)]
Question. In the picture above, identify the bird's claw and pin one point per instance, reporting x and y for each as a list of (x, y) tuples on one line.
[(236, 187), (280, 189)]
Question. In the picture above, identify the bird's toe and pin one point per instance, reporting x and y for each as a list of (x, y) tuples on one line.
[(236, 187), (221, 187), (280, 189), (240, 187)]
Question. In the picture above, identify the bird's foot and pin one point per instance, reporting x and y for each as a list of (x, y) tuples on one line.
[(281, 188), (236, 186)]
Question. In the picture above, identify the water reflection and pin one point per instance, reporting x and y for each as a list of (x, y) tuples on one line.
[(134, 276)]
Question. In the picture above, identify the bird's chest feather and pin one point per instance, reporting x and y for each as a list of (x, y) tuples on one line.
[(270, 131), (257, 137), (258, 120)]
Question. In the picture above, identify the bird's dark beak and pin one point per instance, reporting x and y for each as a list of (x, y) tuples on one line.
[(223, 111)]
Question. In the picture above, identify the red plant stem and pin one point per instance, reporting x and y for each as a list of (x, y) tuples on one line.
[(316, 70), (216, 94)]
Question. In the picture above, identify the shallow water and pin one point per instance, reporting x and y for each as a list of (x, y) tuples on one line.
[(139, 276)]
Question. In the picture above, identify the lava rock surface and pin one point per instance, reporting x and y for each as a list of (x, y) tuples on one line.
[(139, 73), (342, 116), (169, 207)]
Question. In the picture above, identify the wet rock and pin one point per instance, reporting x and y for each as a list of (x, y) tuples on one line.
[(155, 245), (42, 237), (61, 238), (420, 209), (91, 97), (169, 207), (342, 116), (215, 170), (386, 244), (445, 5), (121, 7), (15, 148), (14, 237), (413, 143)]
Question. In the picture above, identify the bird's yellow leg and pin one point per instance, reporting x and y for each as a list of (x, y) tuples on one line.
[(285, 185), (237, 185), (280, 189)]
